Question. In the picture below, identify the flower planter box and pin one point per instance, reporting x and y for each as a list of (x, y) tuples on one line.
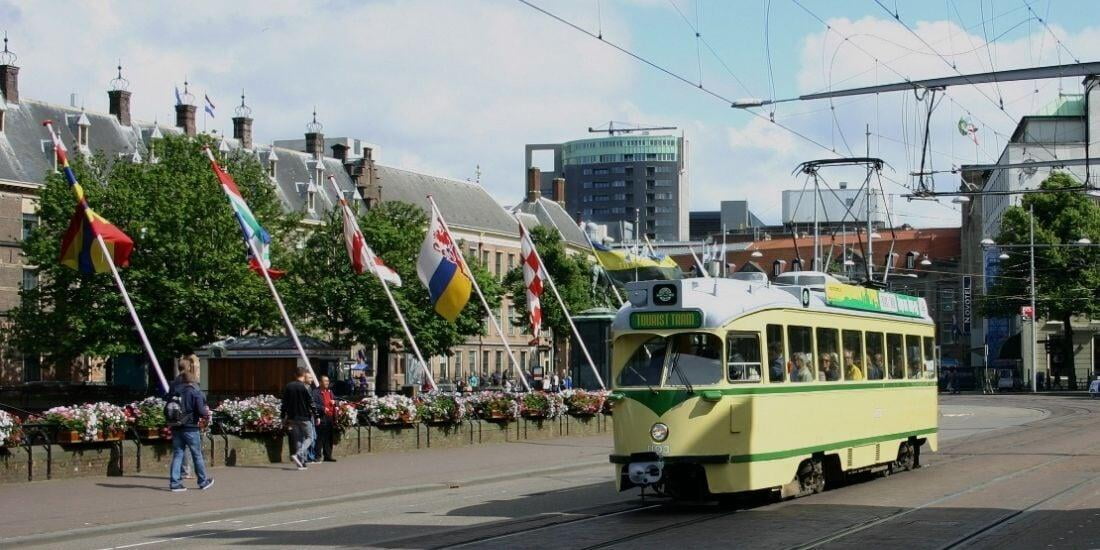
[(112, 435), (69, 436), (393, 424), (148, 433)]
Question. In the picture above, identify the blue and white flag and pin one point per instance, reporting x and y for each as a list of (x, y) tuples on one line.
[(209, 108), (179, 100)]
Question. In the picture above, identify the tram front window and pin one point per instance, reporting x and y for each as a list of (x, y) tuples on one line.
[(686, 359)]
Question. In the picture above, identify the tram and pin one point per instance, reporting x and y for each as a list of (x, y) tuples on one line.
[(725, 386)]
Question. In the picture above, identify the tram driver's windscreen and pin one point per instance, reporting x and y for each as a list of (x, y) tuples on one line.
[(685, 359)]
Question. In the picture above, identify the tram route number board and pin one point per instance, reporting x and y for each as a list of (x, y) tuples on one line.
[(642, 320)]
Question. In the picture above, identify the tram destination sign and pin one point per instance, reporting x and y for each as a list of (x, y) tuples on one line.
[(647, 320), (869, 299)]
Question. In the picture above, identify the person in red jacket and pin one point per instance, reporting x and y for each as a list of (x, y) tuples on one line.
[(324, 402)]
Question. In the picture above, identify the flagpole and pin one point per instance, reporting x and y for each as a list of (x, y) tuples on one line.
[(274, 294), (133, 312), (614, 289), (114, 270), (386, 288), (698, 263), (568, 317), (484, 303)]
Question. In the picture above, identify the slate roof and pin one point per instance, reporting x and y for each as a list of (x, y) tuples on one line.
[(26, 157), (551, 215)]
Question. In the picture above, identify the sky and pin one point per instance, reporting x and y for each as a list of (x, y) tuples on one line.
[(447, 86)]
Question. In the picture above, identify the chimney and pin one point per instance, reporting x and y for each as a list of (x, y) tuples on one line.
[(340, 151), (315, 140), (185, 112), (242, 124), (119, 98), (9, 74), (558, 191), (534, 184)]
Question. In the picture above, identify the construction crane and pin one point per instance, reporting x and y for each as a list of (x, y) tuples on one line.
[(626, 128)]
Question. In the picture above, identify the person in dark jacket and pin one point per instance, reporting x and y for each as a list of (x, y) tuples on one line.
[(174, 389), (186, 437), (297, 413), (324, 402)]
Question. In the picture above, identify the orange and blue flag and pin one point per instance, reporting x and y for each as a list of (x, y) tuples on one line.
[(79, 249)]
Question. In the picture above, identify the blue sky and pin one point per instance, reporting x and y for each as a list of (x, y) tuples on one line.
[(443, 86)]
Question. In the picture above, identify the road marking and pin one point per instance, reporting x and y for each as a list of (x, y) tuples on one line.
[(173, 539)]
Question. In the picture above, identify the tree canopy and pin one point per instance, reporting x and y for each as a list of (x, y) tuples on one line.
[(1067, 275), (188, 277), (346, 308)]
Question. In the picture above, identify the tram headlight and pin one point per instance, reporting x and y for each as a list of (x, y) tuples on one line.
[(659, 432)]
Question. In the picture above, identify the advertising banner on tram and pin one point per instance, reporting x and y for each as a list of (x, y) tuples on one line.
[(869, 299)]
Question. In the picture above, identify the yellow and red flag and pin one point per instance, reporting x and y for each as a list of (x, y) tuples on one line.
[(78, 244)]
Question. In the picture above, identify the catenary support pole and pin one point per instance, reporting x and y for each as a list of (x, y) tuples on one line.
[(488, 310)]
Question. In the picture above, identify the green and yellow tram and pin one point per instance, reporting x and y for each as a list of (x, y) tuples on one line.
[(725, 386)]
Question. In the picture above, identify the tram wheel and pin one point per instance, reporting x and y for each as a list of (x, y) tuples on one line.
[(906, 458), (811, 477)]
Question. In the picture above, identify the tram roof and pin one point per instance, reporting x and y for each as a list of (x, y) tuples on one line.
[(722, 300)]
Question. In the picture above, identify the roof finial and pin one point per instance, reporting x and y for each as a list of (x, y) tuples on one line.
[(118, 83), (7, 57), (315, 127), (243, 111), (187, 98)]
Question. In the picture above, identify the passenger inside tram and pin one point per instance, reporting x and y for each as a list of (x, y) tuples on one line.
[(852, 361), (802, 370), (829, 370)]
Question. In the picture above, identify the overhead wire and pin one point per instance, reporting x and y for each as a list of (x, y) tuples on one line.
[(700, 39)]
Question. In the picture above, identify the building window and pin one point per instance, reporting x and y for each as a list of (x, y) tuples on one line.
[(1, 120), (32, 367), (499, 261), (664, 170), (484, 362), (458, 364), (271, 168), (473, 361), (587, 185), (618, 183), (586, 198), (30, 278), (30, 221), (599, 172), (511, 261), (511, 320), (601, 198), (600, 184), (618, 170), (663, 196), (618, 210), (662, 209), (663, 183), (586, 172), (311, 200), (500, 362)]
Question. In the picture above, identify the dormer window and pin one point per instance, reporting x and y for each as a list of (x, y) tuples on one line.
[(82, 126), (311, 199), (2, 121)]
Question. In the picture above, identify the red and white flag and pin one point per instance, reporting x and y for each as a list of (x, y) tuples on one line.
[(362, 257), (533, 274)]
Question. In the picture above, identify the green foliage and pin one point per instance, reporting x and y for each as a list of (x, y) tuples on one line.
[(1068, 277), (572, 274), (188, 276), (347, 309)]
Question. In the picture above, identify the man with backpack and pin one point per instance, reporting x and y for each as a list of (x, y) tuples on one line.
[(183, 412), (297, 412)]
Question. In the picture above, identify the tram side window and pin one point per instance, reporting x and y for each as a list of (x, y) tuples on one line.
[(777, 362), (800, 341), (876, 356), (853, 354), (929, 358), (897, 356), (828, 355), (912, 346), (743, 357)]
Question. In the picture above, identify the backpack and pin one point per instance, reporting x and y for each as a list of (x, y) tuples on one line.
[(174, 414)]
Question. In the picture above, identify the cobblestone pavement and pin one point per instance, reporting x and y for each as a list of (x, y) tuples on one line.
[(1013, 471)]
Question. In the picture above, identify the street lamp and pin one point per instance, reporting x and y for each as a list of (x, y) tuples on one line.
[(961, 199), (1084, 240), (757, 254), (987, 242), (1003, 256), (926, 261)]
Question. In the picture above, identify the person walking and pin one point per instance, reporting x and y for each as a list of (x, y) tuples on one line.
[(174, 392), (297, 414), (186, 436), (324, 402)]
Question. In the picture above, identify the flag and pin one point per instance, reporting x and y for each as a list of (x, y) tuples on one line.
[(533, 275), (362, 257), (78, 243), (439, 268), (622, 266), (179, 100), (253, 233), (209, 108)]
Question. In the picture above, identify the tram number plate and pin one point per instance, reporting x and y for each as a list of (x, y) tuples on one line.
[(659, 450)]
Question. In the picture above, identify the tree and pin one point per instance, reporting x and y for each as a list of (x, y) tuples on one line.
[(349, 309), (188, 277), (1067, 276), (573, 275)]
